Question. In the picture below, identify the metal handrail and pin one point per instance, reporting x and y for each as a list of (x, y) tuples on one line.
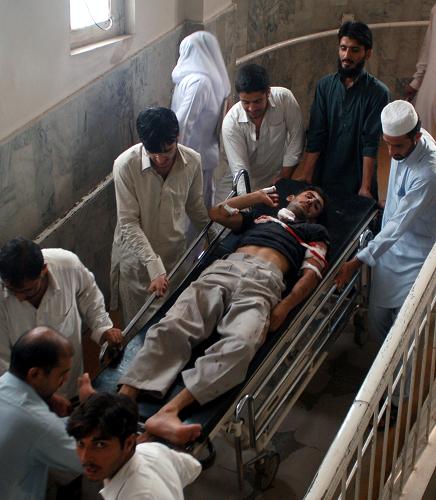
[(321, 34), (332, 472)]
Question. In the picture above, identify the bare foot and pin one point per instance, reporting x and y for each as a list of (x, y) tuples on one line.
[(167, 425), (85, 387), (130, 391)]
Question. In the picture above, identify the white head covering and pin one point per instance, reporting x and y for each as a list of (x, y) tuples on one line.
[(200, 53), (398, 118)]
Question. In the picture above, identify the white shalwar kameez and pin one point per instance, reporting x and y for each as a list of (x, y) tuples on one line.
[(280, 142), (408, 233), (201, 88), (72, 295)]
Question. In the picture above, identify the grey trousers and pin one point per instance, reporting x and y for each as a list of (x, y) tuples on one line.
[(235, 296)]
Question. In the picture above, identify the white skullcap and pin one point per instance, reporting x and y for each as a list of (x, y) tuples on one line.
[(398, 118)]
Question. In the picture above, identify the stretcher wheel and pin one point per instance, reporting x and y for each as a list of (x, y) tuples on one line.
[(266, 469)]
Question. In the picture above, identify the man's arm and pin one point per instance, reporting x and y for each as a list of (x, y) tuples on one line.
[(302, 289), (92, 308), (308, 168), (235, 145), (227, 212), (54, 447), (194, 206), (370, 136), (367, 173), (128, 213), (295, 128), (416, 201), (317, 134)]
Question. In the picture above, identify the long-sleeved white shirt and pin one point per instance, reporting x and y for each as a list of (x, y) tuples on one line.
[(280, 142), (152, 211), (72, 295), (155, 472), (408, 229)]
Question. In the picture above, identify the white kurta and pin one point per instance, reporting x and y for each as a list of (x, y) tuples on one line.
[(280, 142), (150, 234), (201, 87), (424, 80), (72, 294), (155, 472)]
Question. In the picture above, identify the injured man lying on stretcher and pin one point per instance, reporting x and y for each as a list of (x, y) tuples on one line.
[(240, 296)]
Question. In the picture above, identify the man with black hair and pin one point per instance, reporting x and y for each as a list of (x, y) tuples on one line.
[(50, 286), (104, 427), (239, 296), (344, 129), (262, 133), (33, 438), (157, 183)]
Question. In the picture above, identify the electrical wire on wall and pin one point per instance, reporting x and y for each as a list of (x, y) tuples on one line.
[(109, 21)]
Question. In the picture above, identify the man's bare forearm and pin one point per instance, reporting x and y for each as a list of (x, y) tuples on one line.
[(302, 289), (221, 213), (309, 163)]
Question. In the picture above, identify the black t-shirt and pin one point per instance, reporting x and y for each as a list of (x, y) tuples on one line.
[(273, 235)]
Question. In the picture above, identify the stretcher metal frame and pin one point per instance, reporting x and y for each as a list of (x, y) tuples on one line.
[(254, 414)]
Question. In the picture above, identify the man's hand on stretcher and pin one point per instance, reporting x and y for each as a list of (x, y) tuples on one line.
[(346, 272), (159, 285)]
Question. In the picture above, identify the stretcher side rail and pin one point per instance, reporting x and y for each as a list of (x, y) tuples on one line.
[(269, 394), (131, 330), (308, 346)]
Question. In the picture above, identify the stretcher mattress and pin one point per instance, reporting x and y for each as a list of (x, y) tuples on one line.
[(344, 219)]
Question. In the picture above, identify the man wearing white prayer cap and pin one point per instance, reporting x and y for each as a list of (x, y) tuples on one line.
[(408, 231)]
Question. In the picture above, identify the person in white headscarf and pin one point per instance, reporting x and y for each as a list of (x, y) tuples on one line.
[(423, 81), (201, 89)]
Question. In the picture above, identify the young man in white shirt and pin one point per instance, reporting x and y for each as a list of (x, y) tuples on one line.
[(158, 182), (50, 287), (105, 427), (263, 133)]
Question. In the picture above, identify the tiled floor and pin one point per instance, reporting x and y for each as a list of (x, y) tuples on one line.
[(305, 435)]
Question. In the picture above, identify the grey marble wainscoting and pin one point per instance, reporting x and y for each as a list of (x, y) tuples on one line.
[(50, 165)]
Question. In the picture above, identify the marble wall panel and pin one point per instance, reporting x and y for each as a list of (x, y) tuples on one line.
[(47, 167), (88, 232)]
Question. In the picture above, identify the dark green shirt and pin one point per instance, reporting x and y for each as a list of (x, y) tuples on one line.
[(344, 127)]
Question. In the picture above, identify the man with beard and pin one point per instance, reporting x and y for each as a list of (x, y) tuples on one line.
[(240, 296), (408, 231), (344, 128)]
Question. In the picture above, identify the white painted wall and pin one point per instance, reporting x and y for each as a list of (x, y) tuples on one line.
[(37, 70), (214, 7)]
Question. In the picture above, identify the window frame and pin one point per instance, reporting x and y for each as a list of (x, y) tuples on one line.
[(89, 35)]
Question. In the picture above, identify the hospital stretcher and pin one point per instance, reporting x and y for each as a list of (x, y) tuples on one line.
[(252, 412)]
